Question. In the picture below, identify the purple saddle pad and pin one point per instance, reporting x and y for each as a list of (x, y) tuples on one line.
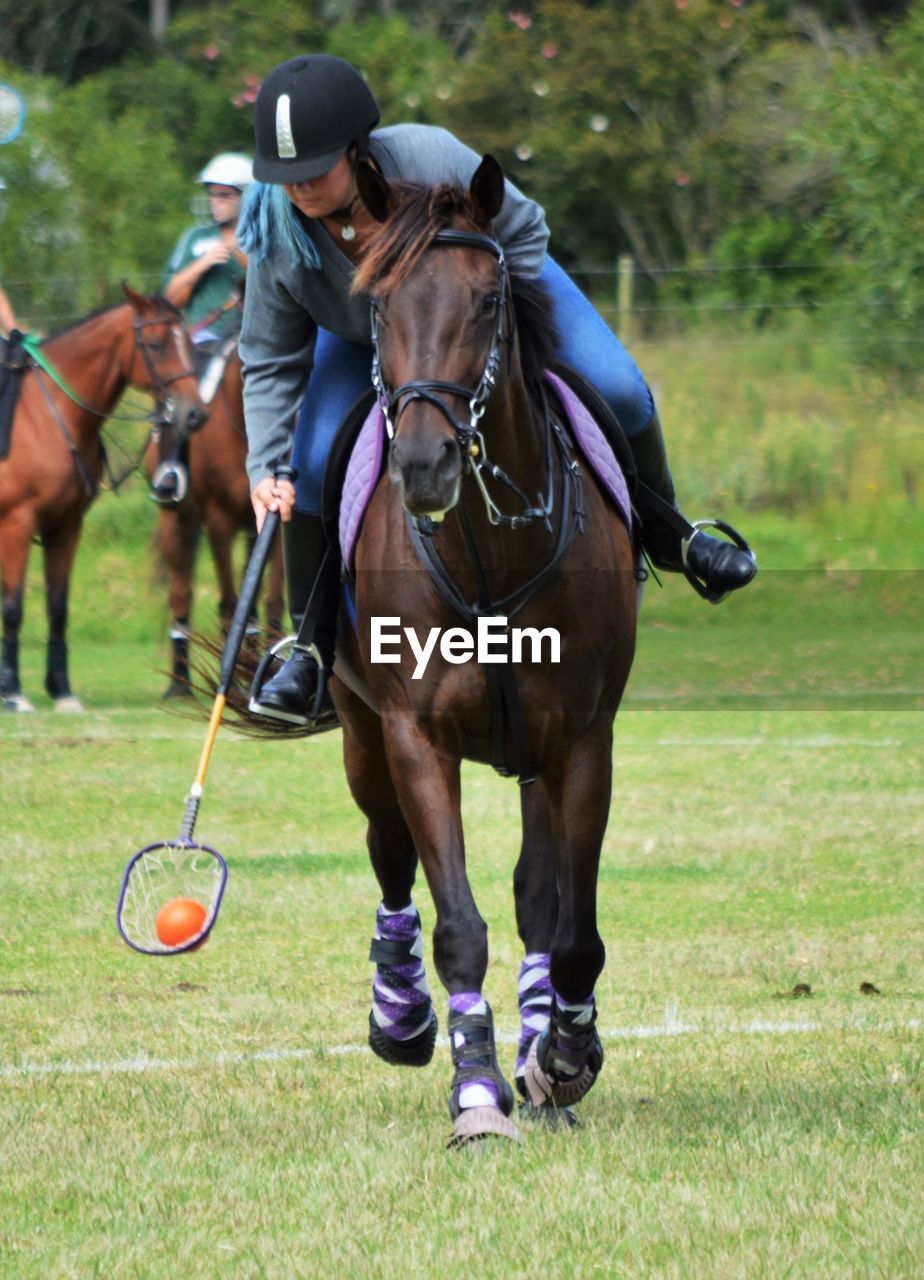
[(595, 447), (362, 475), (365, 465)]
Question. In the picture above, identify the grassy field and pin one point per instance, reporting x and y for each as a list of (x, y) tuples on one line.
[(217, 1115)]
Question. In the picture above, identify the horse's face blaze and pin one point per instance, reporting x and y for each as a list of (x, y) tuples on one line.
[(166, 363)]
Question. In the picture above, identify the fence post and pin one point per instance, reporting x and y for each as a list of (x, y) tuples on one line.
[(624, 280)]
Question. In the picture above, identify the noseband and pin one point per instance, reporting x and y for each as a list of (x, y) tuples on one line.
[(431, 390)]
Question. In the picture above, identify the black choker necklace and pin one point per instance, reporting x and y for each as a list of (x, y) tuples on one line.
[(347, 231)]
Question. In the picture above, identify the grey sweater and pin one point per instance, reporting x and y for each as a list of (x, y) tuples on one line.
[(285, 302)]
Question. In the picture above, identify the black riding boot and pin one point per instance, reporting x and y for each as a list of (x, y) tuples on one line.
[(313, 585), (718, 566)]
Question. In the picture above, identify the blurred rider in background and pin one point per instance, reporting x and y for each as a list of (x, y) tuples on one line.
[(205, 280)]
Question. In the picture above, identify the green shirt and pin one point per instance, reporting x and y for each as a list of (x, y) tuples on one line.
[(212, 290)]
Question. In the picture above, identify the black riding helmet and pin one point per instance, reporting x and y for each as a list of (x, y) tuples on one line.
[(307, 113)]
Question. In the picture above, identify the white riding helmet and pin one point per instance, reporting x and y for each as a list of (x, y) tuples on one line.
[(229, 169)]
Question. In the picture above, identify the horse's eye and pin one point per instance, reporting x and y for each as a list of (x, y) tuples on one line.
[(156, 348), (489, 306)]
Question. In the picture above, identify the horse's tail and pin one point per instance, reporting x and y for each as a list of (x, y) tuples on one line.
[(237, 713)]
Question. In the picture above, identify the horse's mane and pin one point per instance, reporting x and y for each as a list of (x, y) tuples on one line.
[(101, 311), (396, 246)]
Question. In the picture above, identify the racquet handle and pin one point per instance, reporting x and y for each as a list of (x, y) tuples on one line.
[(245, 601), (235, 638), (249, 588)]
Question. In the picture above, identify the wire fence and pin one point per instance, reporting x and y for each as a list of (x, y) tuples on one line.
[(610, 301)]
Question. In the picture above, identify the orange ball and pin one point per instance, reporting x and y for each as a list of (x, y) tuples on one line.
[(179, 921)]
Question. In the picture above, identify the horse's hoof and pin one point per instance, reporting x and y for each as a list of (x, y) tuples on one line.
[(475, 1123), (544, 1091), (69, 705), (17, 702), (177, 689), (415, 1052), (550, 1117)]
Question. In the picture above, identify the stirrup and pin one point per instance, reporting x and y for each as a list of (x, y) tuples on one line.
[(317, 715), (734, 536), (180, 476)]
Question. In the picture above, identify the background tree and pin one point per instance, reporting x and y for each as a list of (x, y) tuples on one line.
[(867, 127)]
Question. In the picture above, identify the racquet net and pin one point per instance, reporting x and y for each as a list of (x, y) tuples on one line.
[(157, 875)]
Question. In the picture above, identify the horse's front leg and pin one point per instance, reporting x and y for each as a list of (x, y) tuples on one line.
[(15, 538), (221, 532), (535, 890), (402, 1021), (566, 1058), (178, 537), (59, 561), (428, 788)]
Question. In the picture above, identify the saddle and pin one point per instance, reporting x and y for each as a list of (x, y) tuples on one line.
[(209, 360), (14, 361)]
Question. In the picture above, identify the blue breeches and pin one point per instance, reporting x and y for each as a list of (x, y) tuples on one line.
[(341, 373)]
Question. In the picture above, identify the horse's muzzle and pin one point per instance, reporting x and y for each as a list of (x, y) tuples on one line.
[(184, 417), (429, 471)]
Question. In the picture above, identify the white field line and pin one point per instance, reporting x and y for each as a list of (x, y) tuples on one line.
[(672, 1026), (817, 742)]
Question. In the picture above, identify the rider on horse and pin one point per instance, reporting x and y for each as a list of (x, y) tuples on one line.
[(205, 279), (306, 340)]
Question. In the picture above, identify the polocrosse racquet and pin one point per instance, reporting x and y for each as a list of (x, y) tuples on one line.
[(181, 868)]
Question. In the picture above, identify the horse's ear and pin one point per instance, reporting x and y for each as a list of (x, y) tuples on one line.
[(138, 300), (374, 190), (486, 190)]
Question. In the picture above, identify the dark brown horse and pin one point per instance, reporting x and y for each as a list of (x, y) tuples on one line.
[(214, 494), (56, 457), (455, 535)]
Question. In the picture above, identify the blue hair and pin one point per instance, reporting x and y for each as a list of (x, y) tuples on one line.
[(268, 225)]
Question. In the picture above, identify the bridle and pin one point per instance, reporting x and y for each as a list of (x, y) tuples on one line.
[(159, 383), (471, 442), (163, 410), (395, 402)]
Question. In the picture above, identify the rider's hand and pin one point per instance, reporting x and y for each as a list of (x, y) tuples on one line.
[(273, 495), (214, 255)]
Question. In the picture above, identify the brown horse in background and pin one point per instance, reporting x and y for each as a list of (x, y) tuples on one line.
[(454, 534), (217, 499), (56, 457)]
